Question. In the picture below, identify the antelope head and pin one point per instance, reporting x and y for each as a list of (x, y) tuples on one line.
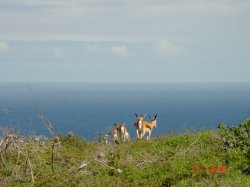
[(140, 117), (153, 120)]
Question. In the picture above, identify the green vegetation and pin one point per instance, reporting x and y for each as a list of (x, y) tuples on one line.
[(169, 160)]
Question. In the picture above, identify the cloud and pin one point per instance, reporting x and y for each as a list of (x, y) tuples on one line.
[(94, 49), (4, 47), (42, 3), (59, 52), (59, 19), (165, 48), (120, 50)]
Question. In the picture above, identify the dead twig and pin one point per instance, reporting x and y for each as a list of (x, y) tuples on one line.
[(48, 124), (52, 157), (141, 164), (77, 169), (56, 142), (103, 163), (29, 167), (184, 152)]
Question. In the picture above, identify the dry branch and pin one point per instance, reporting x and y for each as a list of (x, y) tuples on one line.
[(29, 167), (48, 124), (184, 152), (103, 163)]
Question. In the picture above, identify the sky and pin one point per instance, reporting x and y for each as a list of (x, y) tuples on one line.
[(124, 41)]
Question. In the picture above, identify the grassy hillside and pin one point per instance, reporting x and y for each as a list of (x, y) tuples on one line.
[(164, 161)]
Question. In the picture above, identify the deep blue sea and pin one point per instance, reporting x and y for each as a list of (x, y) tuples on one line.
[(88, 109)]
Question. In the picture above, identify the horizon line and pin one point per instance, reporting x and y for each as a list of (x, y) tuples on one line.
[(26, 82)]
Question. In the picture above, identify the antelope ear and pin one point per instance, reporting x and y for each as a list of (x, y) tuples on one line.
[(155, 116), (136, 115), (115, 124)]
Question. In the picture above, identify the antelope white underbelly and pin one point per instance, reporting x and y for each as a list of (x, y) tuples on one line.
[(140, 126)]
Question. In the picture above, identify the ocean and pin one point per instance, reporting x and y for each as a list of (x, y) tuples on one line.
[(88, 109)]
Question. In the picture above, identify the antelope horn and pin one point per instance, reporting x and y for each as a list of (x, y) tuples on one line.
[(155, 116), (149, 117), (115, 124)]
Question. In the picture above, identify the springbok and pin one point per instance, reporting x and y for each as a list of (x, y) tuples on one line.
[(120, 131), (143, 127), (138, 125)]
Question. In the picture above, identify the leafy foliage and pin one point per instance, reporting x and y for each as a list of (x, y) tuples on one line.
[(235, 136)]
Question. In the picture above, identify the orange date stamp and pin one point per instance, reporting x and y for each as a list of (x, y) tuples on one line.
[(209, 169)]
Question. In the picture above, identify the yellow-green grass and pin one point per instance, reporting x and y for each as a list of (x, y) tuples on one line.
[(165, 160)]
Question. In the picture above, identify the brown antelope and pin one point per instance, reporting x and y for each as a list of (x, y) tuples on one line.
[(143, 127), (138, 125), (120, 131)]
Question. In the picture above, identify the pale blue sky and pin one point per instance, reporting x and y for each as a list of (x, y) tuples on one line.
[(125, 41)]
